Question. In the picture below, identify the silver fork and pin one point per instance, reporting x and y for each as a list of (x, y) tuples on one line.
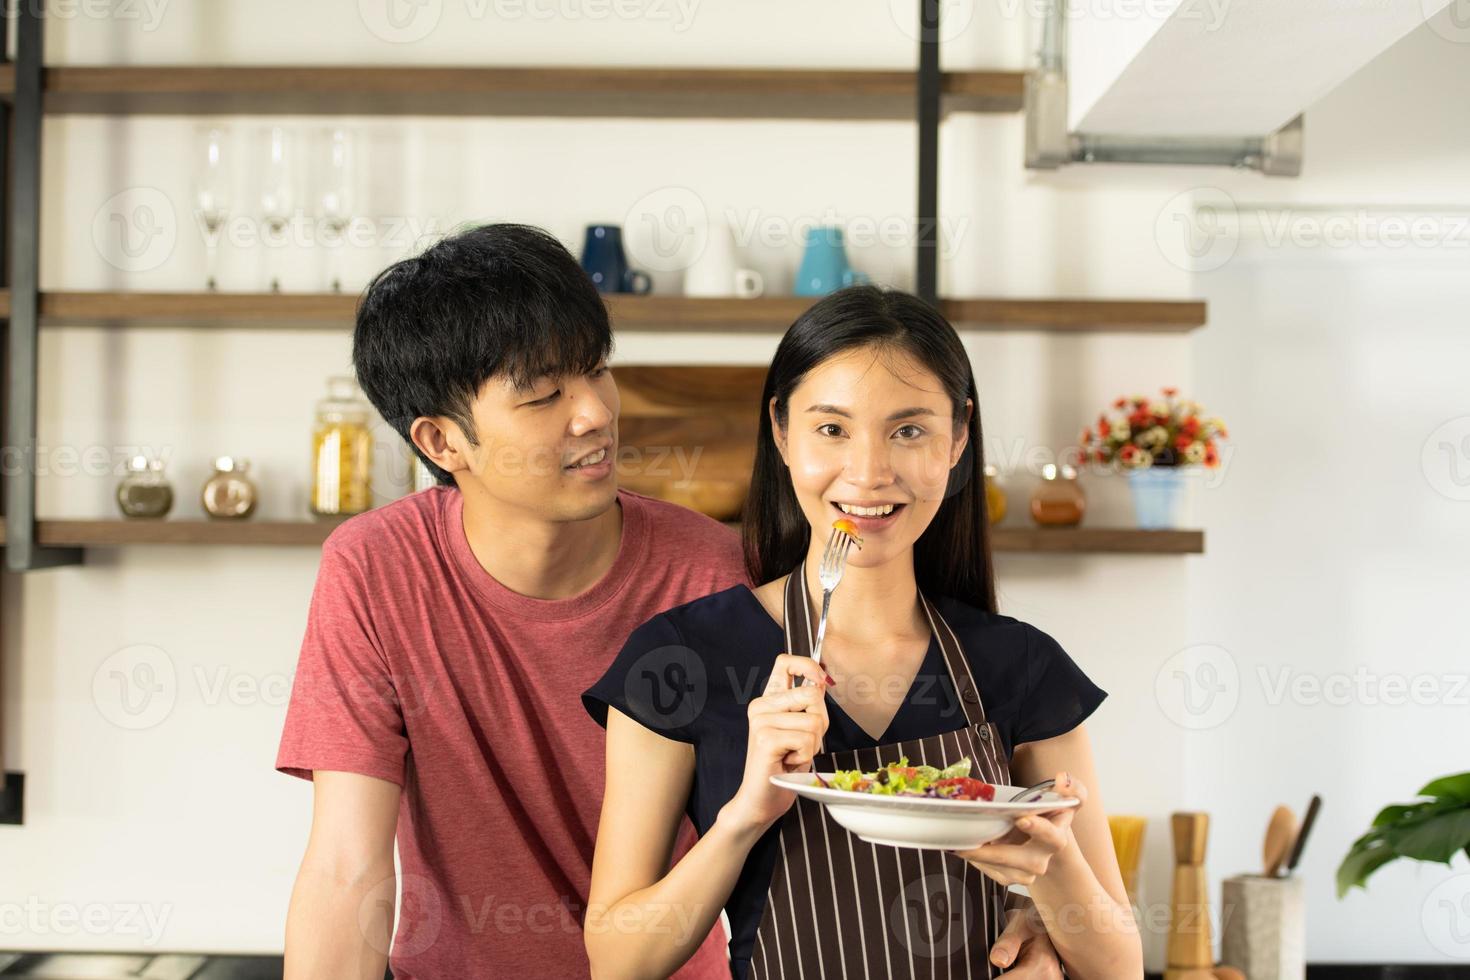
[(829, 573)]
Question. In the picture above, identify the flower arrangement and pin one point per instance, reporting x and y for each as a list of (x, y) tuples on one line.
[(1144, 433)]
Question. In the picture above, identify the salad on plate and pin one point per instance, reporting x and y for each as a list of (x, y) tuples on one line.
[(901, 779)]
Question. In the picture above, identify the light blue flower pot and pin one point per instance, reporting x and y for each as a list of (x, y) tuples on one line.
[(1158, 496)]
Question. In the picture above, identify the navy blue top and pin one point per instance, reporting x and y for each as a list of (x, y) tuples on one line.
[(689, 674)]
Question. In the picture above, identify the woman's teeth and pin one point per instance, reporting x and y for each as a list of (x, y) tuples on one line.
[(883, 510), (592, 460)]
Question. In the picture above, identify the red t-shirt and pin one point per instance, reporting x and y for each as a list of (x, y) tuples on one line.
[(420, 668)]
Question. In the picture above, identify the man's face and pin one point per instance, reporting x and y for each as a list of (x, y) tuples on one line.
[(537, 444)]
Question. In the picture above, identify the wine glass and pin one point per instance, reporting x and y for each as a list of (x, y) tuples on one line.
[(212, 197), (275, 198), (334, 196)]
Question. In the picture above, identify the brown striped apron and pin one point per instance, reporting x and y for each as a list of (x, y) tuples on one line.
[(841, 907)]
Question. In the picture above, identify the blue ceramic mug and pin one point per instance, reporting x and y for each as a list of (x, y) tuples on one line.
[(824, 266), (604, 260)]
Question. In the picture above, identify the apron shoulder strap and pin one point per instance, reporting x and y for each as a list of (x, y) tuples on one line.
[(799, 630), (958, 664), (798, 619)]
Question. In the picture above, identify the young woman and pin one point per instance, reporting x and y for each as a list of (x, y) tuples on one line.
[(869, 413)]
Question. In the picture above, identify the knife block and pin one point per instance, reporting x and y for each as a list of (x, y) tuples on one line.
[(1190, 951), (1264, 927)]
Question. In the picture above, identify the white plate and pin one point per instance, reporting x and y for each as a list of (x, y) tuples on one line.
[(918, 821)]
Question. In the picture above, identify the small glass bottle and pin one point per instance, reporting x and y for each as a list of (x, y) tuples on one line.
[(230, 493), (341, 452), (144, 492), (995, 497), (1058, 500)]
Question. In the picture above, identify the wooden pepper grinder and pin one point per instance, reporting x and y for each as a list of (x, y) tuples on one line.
[(1191, 953)]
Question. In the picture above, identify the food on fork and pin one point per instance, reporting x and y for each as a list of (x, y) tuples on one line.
[(849, 528), (901, 779)]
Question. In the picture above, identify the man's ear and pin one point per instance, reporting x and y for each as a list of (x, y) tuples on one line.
[(963, 439), (441, 441), (777, 434)]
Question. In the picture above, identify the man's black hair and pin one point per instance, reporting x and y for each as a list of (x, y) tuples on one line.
[(500, 301)]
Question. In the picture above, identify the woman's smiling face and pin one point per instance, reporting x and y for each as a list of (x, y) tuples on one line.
[(870, 435)]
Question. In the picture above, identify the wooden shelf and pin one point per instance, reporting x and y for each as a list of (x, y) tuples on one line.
[(1096, 540), (654, 313), (110, 533), (754, 93), (1077, 315), (118, 533)]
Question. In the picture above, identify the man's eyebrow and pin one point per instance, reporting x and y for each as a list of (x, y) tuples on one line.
[(903, 413), (530, 385)]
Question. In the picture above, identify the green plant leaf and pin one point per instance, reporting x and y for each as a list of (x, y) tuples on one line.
[(1361, 863), (1454, 787), (1393, 814), (1434, 839)]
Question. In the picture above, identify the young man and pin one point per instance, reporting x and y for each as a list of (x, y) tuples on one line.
[(451, 633)]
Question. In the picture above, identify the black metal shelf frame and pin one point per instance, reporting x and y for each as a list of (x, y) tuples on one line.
[(22, 553)]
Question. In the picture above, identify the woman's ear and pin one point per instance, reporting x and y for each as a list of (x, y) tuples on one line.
[(957, 450), (432, 437), (777, 433)]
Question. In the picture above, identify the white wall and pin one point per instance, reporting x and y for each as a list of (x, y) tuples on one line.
[(186, 819)]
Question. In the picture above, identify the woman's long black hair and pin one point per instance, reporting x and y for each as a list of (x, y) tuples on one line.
[(952, 556)]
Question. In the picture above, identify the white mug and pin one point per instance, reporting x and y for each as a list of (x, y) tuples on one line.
[(714, 273)]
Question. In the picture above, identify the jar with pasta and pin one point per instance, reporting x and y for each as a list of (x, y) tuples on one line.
[(341, 452)]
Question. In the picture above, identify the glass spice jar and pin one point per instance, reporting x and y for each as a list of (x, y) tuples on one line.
[(144, 492), (229, 494), (1058, 500), (341, 452)]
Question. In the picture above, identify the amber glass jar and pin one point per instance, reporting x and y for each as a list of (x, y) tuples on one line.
[(995, 497), (1058, 500)]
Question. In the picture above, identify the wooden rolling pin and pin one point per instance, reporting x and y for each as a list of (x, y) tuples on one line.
[(1190, 953)]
